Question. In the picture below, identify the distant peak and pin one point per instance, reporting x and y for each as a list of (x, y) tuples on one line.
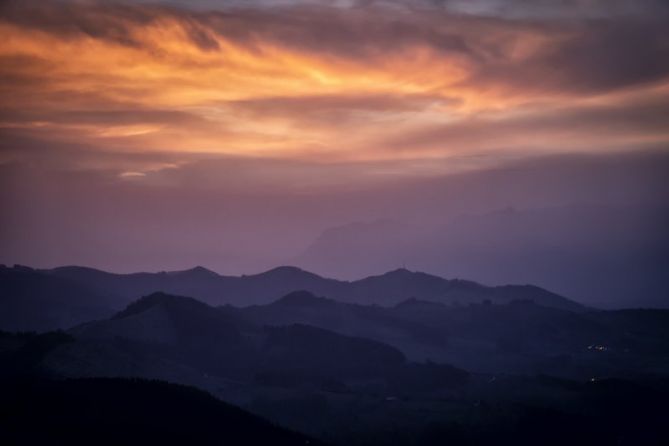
[(407, 273), (287, 268), (302, 298), (202, 270), (199, 271), (286, 271), (401, 270)]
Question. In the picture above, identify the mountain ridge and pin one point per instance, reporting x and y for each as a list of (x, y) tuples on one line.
[(112, 291)]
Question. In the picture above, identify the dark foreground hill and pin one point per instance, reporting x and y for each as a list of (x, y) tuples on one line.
[(106, 411), (421, 409)]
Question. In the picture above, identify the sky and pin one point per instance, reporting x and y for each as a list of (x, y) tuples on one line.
[(160, 134)]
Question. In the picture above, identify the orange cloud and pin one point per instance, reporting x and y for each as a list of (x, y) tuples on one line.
[(330, 84)]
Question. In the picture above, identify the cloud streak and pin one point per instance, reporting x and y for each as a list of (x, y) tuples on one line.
[(364, 81)]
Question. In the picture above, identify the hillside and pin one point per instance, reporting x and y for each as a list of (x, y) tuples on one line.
[(34, 301), (107, 411)]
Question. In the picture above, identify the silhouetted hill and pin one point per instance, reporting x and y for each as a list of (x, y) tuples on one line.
[(163, 318), (398, 285), (33, 301), (127, 412), (178, 329), (196, 272), (275, 283)]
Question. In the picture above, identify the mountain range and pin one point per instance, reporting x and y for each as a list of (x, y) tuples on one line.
[(403, 358), (351, 373), (69, 295)]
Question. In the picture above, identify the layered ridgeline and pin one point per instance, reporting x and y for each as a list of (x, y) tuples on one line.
[(312, 339), (70, 295), (358, 374), (501, 329), (225, 343)]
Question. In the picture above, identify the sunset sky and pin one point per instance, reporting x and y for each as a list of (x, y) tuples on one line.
[(135, 88), (113, 110)]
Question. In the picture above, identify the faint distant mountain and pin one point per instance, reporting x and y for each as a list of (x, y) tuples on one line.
[(361, 248), (33, 301), (385, 289), (396, 286), (598, 255)]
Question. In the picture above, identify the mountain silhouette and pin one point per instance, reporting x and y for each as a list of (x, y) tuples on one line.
[(164, 318), (33, 301), (387, 289), (59, 298)]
